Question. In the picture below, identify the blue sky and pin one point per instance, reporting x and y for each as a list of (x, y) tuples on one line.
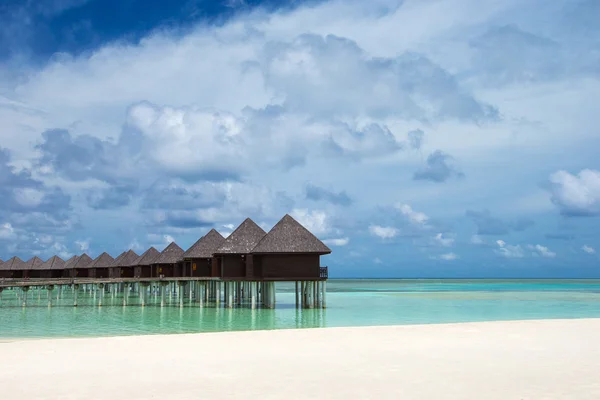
[(426, 138)]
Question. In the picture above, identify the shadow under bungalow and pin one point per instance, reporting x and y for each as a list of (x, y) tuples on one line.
[(239, 269)]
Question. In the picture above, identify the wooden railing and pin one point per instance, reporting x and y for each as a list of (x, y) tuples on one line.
[(323, 273)]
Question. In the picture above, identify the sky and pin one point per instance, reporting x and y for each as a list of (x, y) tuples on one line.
[(416, 138)]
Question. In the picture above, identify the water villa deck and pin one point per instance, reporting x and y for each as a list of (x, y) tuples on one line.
[(238, 270)]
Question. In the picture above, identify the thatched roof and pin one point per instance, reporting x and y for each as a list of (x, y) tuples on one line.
[(54, 262), (170, 255), (33, 263), (125, 259), (12, 263), (148, 257), (70, 262), (289, 236), (83, 261), (243, 239), (104, 260), (205, 246)]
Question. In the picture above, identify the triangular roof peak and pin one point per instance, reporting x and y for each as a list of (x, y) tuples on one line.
[(33, 263), (205, 246), (104, 260), (54, 262), (83, 261), (289, 236), (71, 262), (170, 255), (15, 261), (148, 257), (125, 259), (243, 239)]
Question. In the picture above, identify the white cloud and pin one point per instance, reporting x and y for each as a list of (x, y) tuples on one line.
[(383, 232), (509, 251), (315, 221), (7, 231), (543, 251), (337, 242), (576, 194), (168, 239), (83, 245), (414, 217), (589, 250), (443, 241), (230, 227), (448, 256)]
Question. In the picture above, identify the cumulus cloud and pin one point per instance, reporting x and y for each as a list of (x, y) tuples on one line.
[(83, 245), (441, 240), (542, 251), (446, 257), (588, 249), (439, 168), (317, 193), (383, 232), (576, 195), (415, 139), (316, 221), (509, 251), (337, 242), (414, 217), (7, 231)]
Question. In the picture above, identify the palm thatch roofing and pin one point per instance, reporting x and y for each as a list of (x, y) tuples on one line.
[(10, 264), (205, 246), (243, 239), (33, 263), (125, 259), (148, 257), (169, 255), (289, 236), (70, 262), (82, 261), (54, 262), (104, 260)]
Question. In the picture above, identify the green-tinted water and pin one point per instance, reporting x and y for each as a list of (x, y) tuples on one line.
[(349, 303)]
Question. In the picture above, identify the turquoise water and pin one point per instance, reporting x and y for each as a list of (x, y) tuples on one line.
[(349, 303)]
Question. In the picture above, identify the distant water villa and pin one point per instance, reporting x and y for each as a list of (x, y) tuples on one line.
[(240, 270)]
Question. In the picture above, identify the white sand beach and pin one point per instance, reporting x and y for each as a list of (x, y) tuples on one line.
[(553, 359)]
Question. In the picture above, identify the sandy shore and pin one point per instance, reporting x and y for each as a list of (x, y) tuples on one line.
[(555, 359)]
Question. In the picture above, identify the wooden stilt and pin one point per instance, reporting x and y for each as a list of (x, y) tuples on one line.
[(50, 289), (101, 294), (75, 293), (125, 294), (324, 299), (297, 294), (163, 287)]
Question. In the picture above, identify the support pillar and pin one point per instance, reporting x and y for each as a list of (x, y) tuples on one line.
[(229, 294), (101, 294), (25, 290), (324, 299), (75, 294), (218, 293), (125, 293), (297, 300), (181, 292), (253, 294), (163, 288), (50, 289)]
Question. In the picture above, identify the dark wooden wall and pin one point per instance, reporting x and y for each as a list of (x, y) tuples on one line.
[(287, 265), (203, 267), (233, 266)]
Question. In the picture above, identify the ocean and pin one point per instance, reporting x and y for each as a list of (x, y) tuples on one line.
[(350, 302)]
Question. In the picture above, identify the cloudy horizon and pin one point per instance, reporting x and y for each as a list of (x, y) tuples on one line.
[(429, 138)]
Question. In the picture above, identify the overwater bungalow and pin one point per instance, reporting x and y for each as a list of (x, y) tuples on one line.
[(99, 267), (198, 258), (168, 263), (142, 267), (231, 260), (6, 268), (80, 268), (53, 268), (67, 271), (32, 267), (18, 268), (288, 251), (122, 267)]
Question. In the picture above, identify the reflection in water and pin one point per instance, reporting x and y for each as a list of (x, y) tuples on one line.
[(350, 303)]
